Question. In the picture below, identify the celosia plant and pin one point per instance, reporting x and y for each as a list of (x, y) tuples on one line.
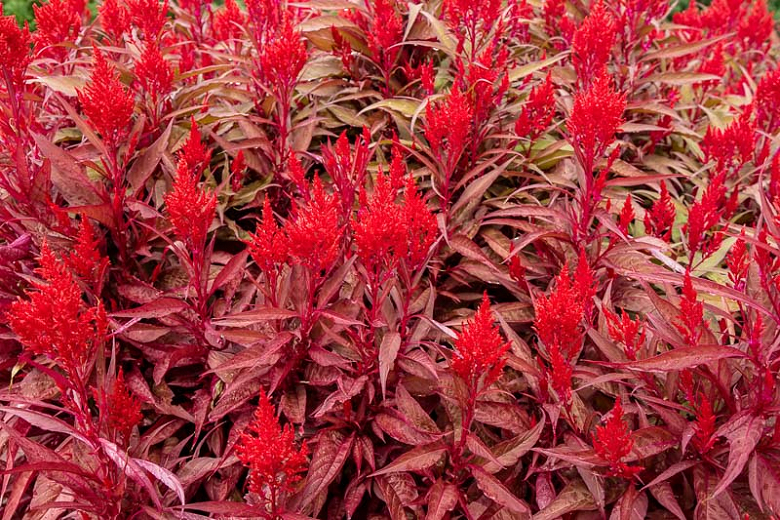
[(448, 260)]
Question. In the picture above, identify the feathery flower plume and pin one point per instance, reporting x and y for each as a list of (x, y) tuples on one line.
[(190, 207), (85, 259), (627, 215), (386, 31), (106, 103), (704, 439), (149, 16), (56, 22), (114, 18), (124, 410), (731, 147), (479, 354), (154, 74), (268, 245), (451, 120), (380, 232), (314, 231), (538, 110), (592, 43), (420, 224), (237, 171), (14, 47), (52, 320), (228, 22), (613, 443), (281, 60), (270, 453), (691, 319), (767, 101), (346, 168), (471, 19), (659, 219), (631, 333), (194, 152), (595, 118)]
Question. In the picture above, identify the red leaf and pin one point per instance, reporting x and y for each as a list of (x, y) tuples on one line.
[(155, 309), (443, 498), (680, 358), (388, 351), (417, 459), (497, 492)]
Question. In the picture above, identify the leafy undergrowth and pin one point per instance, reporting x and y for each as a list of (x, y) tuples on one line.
[(436, 260)]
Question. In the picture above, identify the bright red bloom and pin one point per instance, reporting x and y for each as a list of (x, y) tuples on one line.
[(154, 74), (560, 372), (731, 147), (486, 81), (14, 47), (106, 103), (595, 118), (631, 333), (386, 30), (738, 262), (705, 214), (704, 427), (559, 315), (756, 26), (592, 43), (114, 18), (346, 168), (124, 410), (538, 111), (281, 60), (660, 218), (613, 443), (268, 245), (85, 259), (714, 64), (314, 231), (237, 171), (57, 22), (194, 152), (626, 215), (190, 208), (270, 453), (767, 101), (380, 231), (691, 319), (149, 16), (420, 224), (479, 350), (53, 320), (265, 15), (228, 22), (470, 18), (451, 120)]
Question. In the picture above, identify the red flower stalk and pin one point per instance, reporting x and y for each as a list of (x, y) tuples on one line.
[(190, 208), (767, 101), (347, 169), (14, 48), (281, 60), (733, 146), (53, 320), (154, 74), (265, 15), (380, 231), (714, 64), (704, 439), (631, 333), (194, 152), (237, 171), (85, 259), (626, 215), (420, 224), (451, 120), (705, 214), (738, 262), (479, 354), (124, 410), (559, 316), (268, 245), (560, 372), (659, 219), (149, 16), (538, 111), (557, 21), (106, 103), (114, 18), (613, 443), (691, 319), (270, 453), (595, 118), (386, 31), (56, 22), (755, 27), (471, 20), (314, 231), (486, 82), (592, 43), (228, 22)]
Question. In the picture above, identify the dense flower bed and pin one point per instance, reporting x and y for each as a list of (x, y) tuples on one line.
[(334, 259)]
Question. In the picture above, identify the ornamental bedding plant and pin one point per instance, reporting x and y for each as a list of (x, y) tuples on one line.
[(437, 260)]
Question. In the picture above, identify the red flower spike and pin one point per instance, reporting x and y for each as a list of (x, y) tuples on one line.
[(626, 215), (314, 231), (738, 262), (397, 165), (704, 427), (592, 43), (755, 28), (281, 60), (560, 372), (631, 333), (270, 453), (106, 103), (559, 316), (265, 15), (467, 17), (705, 214), (114, 18), (56, 23), (386, 31), (237, 171), (53, 320), (268, 245), (595, 118), (517, 269), (86, 260), (380, 231), (479, 350), (347, 169), (194, 152), (297, 175), (420, 224), (149, 16), (538, 111), (14, 47), (691, 318), (659, 220), (767, 101), (154, 74), (124, 410), (730, 148), (451, 120), (613, 443), (190, 208), (228, 22)]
